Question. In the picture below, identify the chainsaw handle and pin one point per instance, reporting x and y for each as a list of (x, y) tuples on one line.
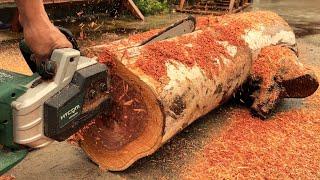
[(70, 37), (45, 68)]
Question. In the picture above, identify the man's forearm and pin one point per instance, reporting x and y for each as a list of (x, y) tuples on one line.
[(32, 12), (40, 34)]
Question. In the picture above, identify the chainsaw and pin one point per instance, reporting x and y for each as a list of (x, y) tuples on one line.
[(64, 94)]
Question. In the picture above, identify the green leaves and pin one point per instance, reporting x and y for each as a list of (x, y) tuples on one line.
[(151, 7)]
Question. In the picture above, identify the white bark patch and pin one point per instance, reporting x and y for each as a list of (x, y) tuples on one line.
[(192, 87), (258, 38), (127, 56), (225, 61), (193, 94), (231, 50)]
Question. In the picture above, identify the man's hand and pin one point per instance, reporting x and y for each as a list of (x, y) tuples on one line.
[(43, 38), (40, 34)]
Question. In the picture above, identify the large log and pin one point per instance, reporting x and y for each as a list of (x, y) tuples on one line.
[(161, 88)]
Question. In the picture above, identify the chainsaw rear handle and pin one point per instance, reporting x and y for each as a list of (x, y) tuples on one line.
[(45, 68)]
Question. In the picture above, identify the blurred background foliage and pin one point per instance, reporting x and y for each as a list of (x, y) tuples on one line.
[(151, 7)]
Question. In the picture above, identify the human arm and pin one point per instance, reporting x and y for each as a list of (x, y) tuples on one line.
[(40, 34)]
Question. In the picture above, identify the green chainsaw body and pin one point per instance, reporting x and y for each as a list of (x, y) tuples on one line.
[(12, 86)]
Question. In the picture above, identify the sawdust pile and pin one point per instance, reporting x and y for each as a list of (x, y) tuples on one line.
[(155, 56), (12, 60), (7, 177), (250, 148)]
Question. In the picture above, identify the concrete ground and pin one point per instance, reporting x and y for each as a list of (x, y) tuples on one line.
[(64, 161)]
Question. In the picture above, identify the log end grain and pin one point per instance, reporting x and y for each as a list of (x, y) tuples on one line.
[(131, 129)]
